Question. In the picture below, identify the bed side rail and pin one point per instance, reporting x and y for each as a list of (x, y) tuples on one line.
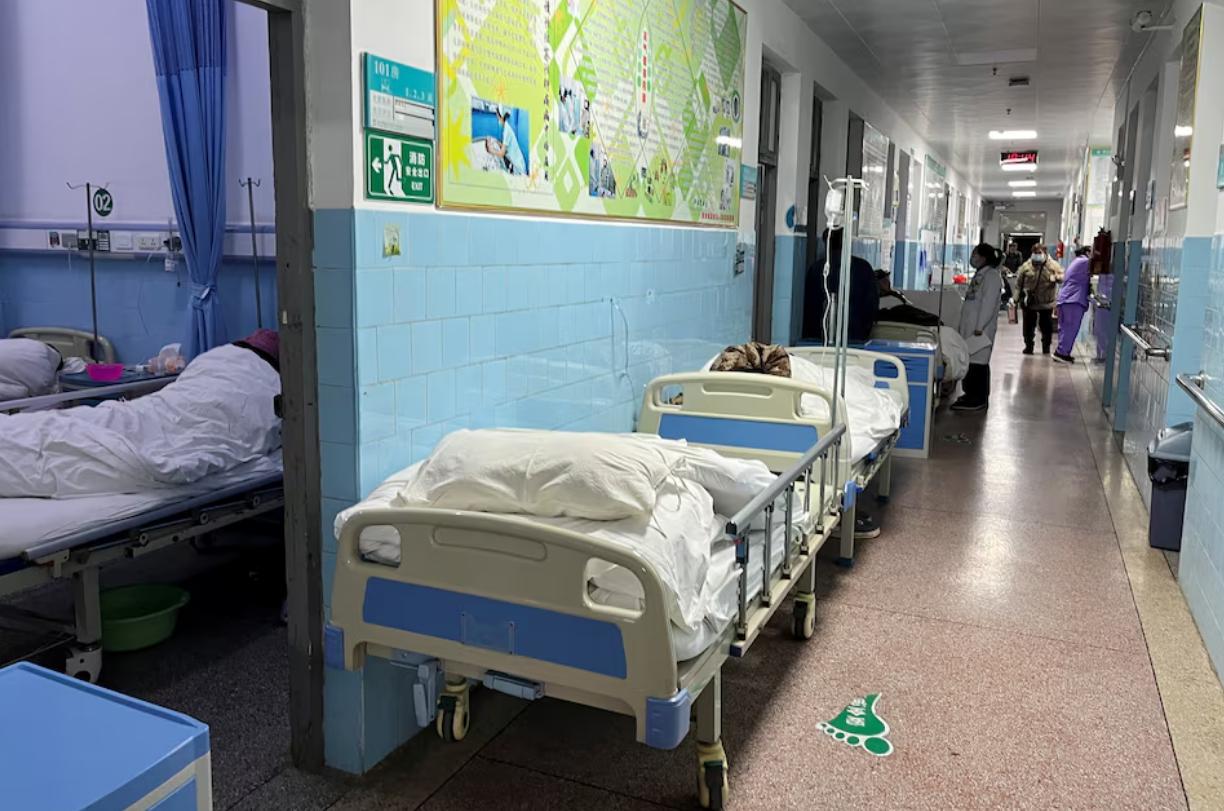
[(502, 594), (886, 330), (132, 389)]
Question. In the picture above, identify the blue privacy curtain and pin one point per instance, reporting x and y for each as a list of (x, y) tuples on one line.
[(189, 56)]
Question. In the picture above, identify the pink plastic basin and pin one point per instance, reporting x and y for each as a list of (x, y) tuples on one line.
[(104, 372)]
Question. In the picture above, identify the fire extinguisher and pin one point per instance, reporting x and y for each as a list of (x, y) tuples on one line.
[(1058, 254)]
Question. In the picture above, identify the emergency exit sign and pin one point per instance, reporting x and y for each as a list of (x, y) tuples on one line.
[(399, 168)]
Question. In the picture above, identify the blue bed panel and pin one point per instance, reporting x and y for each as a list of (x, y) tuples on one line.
[(582, 643), (733, 433)]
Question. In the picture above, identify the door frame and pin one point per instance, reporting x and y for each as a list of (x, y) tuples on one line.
[(299, 378)]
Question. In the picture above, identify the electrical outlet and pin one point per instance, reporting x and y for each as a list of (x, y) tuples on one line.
[(148, 242)]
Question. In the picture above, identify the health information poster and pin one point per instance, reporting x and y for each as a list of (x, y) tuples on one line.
[(631, 109)]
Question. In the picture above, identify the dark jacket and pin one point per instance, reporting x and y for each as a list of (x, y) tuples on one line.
[(864, 299)]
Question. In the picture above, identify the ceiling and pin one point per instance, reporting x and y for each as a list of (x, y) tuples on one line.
[(944, 66)]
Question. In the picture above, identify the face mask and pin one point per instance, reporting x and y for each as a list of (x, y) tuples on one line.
[(1039, 258), (976, 263)]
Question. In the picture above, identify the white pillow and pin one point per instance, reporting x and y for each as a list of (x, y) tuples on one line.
[(602, 477)]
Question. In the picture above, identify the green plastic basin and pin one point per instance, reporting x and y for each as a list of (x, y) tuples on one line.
[(135, 617)]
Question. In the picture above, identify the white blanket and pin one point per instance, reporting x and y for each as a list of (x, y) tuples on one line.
[(677, 539), (217, 416), (955, 354), (872, 414), (28, 368)]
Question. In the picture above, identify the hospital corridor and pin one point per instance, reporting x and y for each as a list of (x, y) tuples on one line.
[(519, 405)]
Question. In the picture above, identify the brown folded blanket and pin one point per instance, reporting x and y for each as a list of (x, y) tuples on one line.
[(753, 357)]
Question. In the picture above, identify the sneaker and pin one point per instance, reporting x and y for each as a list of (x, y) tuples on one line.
[(1028, 350), (1063, 358), (865, 528)]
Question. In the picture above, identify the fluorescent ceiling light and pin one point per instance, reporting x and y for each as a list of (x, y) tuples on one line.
[(996, 57), (1024, 194), (1183, 132), (1022, 184), (1019, 167), (1013, 135)]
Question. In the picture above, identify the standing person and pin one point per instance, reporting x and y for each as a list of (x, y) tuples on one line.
[(864, 305), (979, 322), (1072, 303), (1037, 291), (1014, 258)]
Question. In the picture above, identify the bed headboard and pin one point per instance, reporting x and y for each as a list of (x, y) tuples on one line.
[(70, 343), (885, 330), (887, 371), (740, 415)]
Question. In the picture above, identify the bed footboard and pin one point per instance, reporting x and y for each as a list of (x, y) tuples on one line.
[(488, 594)]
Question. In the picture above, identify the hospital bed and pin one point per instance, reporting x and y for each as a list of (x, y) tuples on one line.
[(45, 541), (69, 343), (506, 601), (184, 462), (756, 416)]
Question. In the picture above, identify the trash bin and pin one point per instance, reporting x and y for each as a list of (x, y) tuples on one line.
[(1169, 470)]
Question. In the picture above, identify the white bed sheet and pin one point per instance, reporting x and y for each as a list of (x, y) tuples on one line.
[(872, 414), (27, 521)]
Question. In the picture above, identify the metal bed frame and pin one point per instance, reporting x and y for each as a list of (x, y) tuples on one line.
[(81, 555)]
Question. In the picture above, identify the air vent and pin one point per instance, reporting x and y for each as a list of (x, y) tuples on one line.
[(1018, 81)]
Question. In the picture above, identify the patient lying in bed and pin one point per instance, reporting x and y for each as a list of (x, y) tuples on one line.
[(28, 368), (217, 416)]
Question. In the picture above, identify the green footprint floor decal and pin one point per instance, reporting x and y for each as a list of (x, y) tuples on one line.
[(858, 725)]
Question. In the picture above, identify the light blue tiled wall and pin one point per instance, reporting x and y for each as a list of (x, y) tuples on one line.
[(490, 322), (141, 307), (1201, 571)]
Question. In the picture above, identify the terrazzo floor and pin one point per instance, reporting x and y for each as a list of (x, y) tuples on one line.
[(1020, 636)]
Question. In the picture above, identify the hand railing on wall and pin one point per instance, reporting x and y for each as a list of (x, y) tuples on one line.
[(1193, 385), (1142, 345)]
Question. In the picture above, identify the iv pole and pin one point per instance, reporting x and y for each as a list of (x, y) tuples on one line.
[(250, 185), (92, 242)]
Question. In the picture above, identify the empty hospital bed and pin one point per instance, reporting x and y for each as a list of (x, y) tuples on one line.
[(773, 419), (82, 487), (518, 603)]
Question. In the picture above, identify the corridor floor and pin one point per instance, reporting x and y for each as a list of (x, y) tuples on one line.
[(1029, 650)]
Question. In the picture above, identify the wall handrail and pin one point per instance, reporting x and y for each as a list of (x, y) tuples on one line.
[(1130, 331), (1193, 385)]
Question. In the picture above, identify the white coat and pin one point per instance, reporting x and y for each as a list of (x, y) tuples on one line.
[(980, 312)]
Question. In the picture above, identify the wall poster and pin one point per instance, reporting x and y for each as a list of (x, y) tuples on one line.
[(1100, 175), (1183, 131), (875, 169), (632, 110)]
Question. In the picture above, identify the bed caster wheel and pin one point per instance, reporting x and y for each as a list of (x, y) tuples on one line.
[(84, 663), (454, 714), (803, 619), (712, 785)]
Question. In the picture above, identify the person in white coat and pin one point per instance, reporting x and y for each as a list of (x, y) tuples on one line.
[(979, 322)]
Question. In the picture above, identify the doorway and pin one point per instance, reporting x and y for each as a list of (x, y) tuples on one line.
[(766, 204), (1025, 242), (815, 189)]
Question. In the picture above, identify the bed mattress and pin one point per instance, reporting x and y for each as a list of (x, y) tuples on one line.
[(29, 522)]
